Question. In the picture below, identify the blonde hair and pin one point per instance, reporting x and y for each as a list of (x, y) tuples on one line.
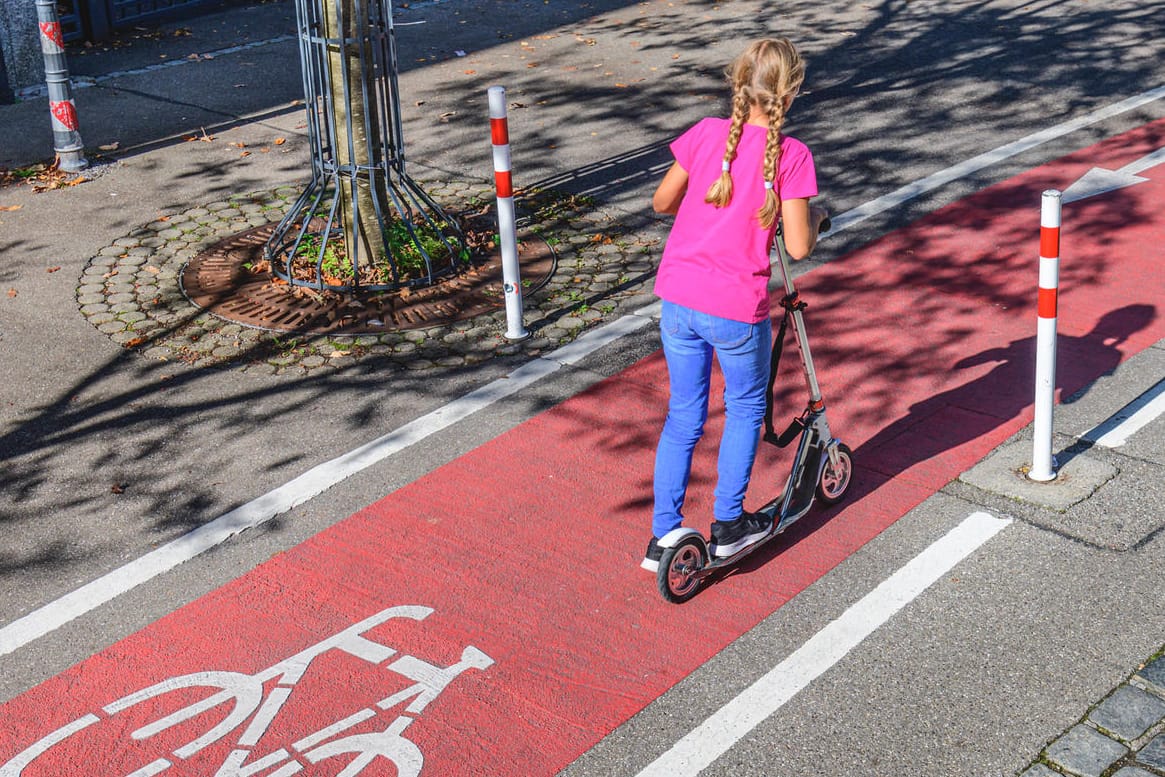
[(768, 74)]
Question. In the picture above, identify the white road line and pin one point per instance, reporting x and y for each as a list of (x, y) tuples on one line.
[(92, 595), (80, 82), (310, 484), (716, 735), (1123, 424), (975, 164)]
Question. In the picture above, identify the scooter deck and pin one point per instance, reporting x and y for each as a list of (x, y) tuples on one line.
[(770, 509)]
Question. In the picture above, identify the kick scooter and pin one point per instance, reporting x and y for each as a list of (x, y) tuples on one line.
[(822, 466)]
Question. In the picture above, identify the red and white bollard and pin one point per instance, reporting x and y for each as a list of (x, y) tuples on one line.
[(507, 228), (1043, 464), (66, 132)]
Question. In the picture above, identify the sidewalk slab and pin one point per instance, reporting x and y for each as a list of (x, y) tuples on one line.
[(1005, 472)]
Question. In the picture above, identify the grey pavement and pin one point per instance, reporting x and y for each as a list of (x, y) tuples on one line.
[(129, 420)]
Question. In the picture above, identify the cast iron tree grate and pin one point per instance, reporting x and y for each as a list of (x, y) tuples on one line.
[(362, 224)]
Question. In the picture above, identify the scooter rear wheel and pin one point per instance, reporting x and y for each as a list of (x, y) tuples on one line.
[(835, 481), (677, 578)]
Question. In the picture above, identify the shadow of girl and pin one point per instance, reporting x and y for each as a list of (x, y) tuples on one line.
[(946, 433)]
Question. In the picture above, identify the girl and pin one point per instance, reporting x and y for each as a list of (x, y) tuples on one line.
[(731, 181)]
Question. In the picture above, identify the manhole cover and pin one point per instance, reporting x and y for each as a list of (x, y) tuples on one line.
[(220, 281)]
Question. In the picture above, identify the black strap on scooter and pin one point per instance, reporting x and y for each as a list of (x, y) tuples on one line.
[(789, 303)]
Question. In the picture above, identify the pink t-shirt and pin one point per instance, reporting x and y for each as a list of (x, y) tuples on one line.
[(717, 259)]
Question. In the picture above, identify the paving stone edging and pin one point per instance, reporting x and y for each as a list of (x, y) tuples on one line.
[(1122, 736), (130, 290)]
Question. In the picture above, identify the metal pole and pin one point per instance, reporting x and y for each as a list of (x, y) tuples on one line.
[(66, 135), (507, 227), (1043, 464)]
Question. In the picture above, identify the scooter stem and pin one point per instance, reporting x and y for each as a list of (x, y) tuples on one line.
[(816, 402)]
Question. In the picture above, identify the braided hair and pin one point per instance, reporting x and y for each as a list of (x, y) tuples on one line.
[(768, 74)]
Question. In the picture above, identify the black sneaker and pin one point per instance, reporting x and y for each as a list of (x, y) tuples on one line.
[(654, 554), (730, 537)]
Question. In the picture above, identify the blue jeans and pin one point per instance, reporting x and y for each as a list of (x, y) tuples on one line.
[(689, 340)]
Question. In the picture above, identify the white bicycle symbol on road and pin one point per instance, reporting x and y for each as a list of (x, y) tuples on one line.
[(257, 708)]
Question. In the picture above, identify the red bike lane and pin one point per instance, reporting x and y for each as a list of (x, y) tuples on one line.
[(491, 618)]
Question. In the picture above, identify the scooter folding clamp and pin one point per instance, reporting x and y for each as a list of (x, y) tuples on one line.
[(792, 302)]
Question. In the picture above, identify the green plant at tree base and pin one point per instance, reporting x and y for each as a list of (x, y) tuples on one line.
[(333, 263), (409, 254)]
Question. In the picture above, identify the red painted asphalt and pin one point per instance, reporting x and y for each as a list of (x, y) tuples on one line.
[(519, 559)]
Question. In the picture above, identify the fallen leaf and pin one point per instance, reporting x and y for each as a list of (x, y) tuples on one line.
[(53, 269), (117, 488), (280, 141), (152, 269), (135, 342), (109, 146), (10, 208), (470, 72), (245, 153), (11, 293), (237, 144)]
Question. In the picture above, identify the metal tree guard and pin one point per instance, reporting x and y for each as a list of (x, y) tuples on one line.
[(362, 223)]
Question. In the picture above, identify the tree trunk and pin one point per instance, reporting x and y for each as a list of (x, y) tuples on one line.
[(358, 193)]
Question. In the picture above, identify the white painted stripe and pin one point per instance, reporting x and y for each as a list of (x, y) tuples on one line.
[(80, 82), (14, 767), (1130, 419), (716, 735), (311, 483), (900, 196), (90, 596)]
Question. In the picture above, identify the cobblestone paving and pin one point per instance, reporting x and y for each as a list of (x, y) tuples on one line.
[(1122, 736), (131, 292)]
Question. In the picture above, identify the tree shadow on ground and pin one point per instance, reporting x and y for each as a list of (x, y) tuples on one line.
[(909, 71)]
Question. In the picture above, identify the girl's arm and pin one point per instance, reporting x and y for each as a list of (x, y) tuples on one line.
[(800, 222), (671, 190)]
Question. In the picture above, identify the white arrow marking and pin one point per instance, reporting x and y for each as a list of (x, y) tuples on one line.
[(1101, 181)]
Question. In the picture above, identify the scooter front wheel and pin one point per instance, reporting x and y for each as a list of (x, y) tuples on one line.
[(678, 567), (835, 480)]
